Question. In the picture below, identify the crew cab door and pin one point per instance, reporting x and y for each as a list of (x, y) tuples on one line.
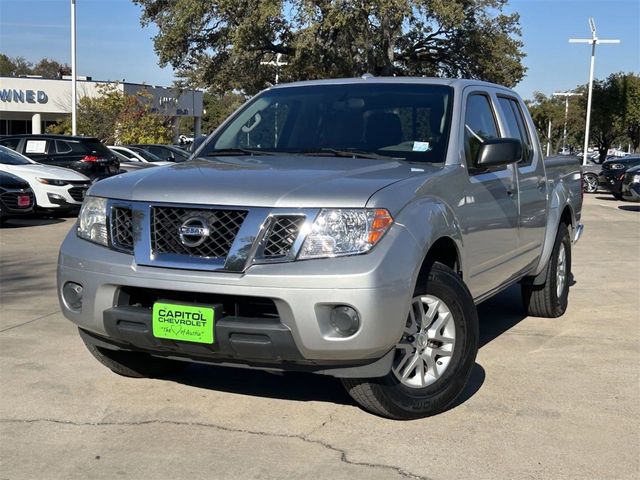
[(532, 185), (488, 208)]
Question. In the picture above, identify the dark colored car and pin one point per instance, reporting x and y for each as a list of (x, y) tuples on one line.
[(168, 153), (86, 155), (631, 185), (590, 177), (16, 197), (613, 172)]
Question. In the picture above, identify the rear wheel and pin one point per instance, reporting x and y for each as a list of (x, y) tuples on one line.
[(552, 297), (590, 183), (135, 364), (434, 357)]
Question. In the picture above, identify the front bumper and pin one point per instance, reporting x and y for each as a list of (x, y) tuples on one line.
[(378, 285)]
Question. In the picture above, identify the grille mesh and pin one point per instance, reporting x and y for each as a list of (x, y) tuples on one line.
[(77, 193), (122, 228), (282, 236), (223, 226)]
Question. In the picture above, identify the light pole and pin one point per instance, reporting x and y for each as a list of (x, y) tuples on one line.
[(276, 63), (566, 96), (73, 70), (594, 40)]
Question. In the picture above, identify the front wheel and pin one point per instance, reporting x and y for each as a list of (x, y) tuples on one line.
[(434, 357)]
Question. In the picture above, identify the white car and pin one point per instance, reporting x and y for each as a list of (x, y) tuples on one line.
[(56, 189), (135, 154)]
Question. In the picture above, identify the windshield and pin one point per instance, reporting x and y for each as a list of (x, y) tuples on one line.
[(148, 156), (407, 121), (9, 157)]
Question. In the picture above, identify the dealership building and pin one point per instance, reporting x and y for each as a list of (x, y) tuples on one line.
[(29, 104)]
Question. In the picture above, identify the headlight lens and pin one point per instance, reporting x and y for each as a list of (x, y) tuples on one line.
[(92, 221), (52, 181), (346, 231), (636, 178), (616, 166)]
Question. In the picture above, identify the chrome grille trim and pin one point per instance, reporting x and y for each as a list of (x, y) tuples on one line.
[(245, 250)]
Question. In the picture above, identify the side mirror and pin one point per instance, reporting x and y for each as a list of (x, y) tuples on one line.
[(497, 152)]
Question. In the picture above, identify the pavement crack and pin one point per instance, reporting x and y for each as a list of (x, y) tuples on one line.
[(343, 454), (28, 321)]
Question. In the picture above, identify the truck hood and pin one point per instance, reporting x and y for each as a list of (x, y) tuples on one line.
[(288, 181)]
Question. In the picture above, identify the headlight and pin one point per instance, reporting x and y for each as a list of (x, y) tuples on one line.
[(346, 231), (92, 221), (52, 181), (636, 178), (616, 166)]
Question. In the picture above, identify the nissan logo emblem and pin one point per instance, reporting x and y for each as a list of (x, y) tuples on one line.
[(194, 231)]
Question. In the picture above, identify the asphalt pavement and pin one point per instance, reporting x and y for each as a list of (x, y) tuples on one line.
[(548, 398)]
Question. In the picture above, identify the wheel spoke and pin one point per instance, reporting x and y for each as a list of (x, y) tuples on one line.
[(410, 367), (427, 346), (441, 321)]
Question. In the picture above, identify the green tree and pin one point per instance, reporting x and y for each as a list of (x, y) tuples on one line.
[(615, 112), (221, 43), (14, 66), (48, 68), (218, 107), (118, 118)]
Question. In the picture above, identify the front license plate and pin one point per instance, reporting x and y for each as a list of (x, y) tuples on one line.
[(24, 200), (183, 322)]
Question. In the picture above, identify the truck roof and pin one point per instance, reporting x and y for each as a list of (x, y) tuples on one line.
[(456, 83)]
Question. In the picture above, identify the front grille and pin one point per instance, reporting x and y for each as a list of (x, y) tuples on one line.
[(122, 228), (282, 235), (223, 227), (10, 199), (77, 193)]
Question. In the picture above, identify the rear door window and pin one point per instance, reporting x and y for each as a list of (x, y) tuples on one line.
[(517, 127), (35, 147)]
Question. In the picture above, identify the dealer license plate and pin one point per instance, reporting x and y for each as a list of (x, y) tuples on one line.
[(188, 323)]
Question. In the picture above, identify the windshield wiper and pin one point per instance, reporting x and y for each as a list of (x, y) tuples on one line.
[(238, 151), (353, 153)]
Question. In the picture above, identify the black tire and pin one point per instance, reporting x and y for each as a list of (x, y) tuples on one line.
[(135, 364), (590, 183), (388, 397), (618, 196), (543, 300)]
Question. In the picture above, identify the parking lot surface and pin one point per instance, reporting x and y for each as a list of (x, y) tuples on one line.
[(549, 398)]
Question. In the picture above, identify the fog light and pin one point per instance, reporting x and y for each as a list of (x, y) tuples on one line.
[(72, 295), (344, 320)]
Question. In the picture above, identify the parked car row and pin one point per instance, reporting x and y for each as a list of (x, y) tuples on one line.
[(50, 173), (612, 176)]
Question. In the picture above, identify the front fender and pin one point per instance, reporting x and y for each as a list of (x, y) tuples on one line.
[(428, 219)]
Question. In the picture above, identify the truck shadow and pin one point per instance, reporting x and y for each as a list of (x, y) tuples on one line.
[(496, 316)]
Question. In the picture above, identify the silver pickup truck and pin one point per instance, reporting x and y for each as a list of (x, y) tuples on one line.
[(342, 227)]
